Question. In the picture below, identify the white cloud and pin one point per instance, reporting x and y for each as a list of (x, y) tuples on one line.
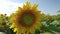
[(8, 7)]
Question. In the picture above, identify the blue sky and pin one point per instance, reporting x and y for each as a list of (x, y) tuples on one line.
[(46, 6)]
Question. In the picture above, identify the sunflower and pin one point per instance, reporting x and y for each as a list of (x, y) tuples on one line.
[(2, 20), (1, 15), (26, 19)]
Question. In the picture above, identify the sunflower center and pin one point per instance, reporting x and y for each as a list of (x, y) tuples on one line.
[(28, 19)]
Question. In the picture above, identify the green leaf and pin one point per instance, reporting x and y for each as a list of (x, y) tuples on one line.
[(46, 29), (10, 31), (54, 28)]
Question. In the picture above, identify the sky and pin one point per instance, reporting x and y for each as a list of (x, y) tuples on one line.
[(45, 6)]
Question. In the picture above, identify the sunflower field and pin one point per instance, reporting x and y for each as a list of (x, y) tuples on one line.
[(29, 20)]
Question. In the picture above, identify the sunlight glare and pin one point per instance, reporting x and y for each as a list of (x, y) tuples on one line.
[(8, 7)]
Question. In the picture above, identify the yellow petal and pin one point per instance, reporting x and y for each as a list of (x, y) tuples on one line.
[(19, 8), (24, 6), (15, 29), (34, 6), (28, 5), (12, 26)]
